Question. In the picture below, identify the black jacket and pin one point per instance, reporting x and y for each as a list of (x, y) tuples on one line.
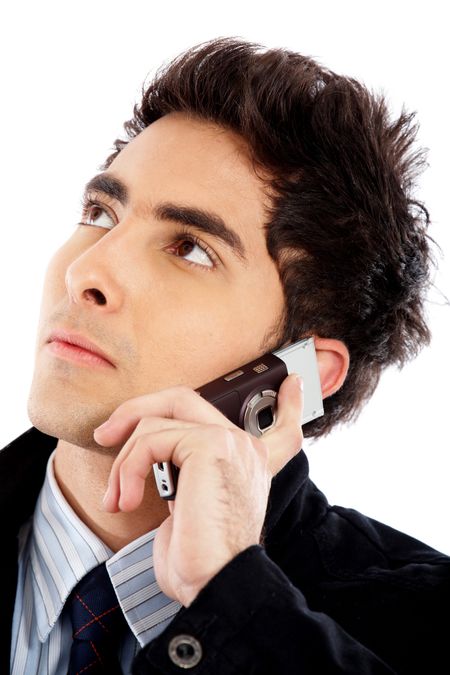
[(331, 590)]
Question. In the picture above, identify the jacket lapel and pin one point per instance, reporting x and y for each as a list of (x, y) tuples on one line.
[(22, 471)]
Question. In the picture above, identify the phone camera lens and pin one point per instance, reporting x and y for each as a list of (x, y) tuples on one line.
[(265, 418)]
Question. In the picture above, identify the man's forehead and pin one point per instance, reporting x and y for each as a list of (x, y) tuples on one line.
[(188, 151), (195, 173)]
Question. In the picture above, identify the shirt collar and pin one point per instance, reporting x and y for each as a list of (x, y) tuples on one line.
[(62, 551)]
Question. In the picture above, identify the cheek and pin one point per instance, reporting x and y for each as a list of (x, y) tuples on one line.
[(207, 334), (190, 300), (192, 335), (226, 315), (197, 326)]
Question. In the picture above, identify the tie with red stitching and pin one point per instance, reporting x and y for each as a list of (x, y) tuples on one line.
[(97, 624)]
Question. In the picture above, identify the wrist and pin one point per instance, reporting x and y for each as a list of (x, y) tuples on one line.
[(187, 592)]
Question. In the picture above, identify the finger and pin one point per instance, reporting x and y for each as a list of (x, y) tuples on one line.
[(179, 402), (285, 438), (174, 445), (128, 476), (126, 484), (134, 470), (146, 425), (133, 473), (111, 496)]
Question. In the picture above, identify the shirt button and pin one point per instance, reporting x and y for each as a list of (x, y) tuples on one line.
[(185, 651)]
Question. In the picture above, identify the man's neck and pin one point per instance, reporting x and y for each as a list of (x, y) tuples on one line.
[(82, 475)]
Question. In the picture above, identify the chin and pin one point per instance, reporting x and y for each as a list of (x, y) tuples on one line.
[(67, 420)]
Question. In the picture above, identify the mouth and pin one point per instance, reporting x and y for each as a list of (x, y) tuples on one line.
[(77, 347)]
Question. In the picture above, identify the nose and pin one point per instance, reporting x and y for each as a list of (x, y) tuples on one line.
[(92, 278)]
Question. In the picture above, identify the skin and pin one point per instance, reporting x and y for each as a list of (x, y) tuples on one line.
[(168, 327)]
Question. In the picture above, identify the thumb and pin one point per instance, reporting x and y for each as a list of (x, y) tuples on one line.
[(285, 438)]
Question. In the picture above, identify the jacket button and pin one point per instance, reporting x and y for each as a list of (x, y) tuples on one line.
[(185, 651)]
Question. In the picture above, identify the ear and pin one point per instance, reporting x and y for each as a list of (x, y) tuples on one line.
[(333, 359)]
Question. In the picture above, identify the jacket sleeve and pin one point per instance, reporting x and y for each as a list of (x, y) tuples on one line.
[(250, 619)]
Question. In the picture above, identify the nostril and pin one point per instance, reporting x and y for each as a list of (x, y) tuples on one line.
[(98, 296)]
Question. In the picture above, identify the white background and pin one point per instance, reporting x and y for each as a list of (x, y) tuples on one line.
[(70, 75)]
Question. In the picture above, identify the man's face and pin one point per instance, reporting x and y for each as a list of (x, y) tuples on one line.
[(127, 281)]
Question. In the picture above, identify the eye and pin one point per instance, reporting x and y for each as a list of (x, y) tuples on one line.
[(94, 214), (203, 257)]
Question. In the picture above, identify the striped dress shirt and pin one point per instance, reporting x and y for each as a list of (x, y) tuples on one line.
[(56, 550)]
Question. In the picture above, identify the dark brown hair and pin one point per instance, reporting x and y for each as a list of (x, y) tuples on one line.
[(343, 228)]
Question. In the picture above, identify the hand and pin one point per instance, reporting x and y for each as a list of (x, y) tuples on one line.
[(223, 484)]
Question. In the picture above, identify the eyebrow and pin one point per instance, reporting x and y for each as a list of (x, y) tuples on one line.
[(203, 220)]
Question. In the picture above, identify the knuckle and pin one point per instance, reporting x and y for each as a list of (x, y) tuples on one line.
[(183, 398), (228, 435), (225, 439), (135, 445), (222, 431), (143, 426), (183, 390), (140, 426), (125, 468), (237, 435)]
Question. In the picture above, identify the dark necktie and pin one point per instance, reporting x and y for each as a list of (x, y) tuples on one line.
[(97, 623)]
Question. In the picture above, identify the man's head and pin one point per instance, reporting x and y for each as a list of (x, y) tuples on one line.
[(311, 178)]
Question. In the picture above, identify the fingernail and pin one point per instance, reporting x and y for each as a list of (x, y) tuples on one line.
[(103, 426), (300, 382)]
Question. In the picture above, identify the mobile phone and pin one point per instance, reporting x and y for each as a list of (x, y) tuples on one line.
[(248, 397)]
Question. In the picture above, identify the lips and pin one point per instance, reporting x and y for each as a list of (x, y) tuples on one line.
[(60, 335)]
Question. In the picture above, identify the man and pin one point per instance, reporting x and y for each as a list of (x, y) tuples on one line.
[(291, 189)]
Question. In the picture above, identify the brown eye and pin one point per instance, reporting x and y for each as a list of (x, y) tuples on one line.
[(97, 216), (94, 212), (187, 246), (186, 243)]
